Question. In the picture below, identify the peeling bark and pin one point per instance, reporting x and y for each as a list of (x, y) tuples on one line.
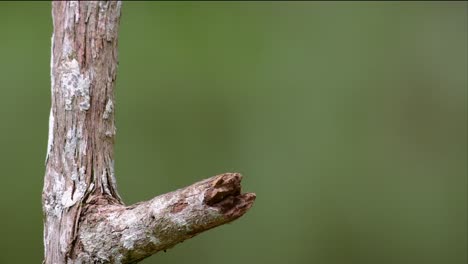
[(85, 220)]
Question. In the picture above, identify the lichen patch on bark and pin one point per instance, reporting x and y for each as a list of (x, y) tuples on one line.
[(75, 85)]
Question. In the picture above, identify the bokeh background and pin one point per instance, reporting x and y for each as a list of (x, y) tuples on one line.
[(349, 121)]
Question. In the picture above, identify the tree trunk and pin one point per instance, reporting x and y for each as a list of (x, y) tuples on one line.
[(85, 220)]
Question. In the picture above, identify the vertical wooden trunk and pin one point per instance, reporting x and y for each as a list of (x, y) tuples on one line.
[(80, 155)]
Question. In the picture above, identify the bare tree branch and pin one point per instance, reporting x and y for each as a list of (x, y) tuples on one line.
[(120, 234), (85, 220)]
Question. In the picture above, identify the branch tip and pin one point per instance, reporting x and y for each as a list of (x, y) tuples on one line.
[(223, 186), (225, 194)]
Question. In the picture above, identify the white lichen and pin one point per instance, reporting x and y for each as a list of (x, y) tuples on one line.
[(53, 201), (70, 143), (132, 231), (154, 240), (74, 85), (74, 141), (76, 10), (67, 48), (50, 140), (108, 110), (70, 197), (158, 205), (82, 172), (67, 200), (74, 176), (85, 105), (110, 133), (75, 191), (128, 240)]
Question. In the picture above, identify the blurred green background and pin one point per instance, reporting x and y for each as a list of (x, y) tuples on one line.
[(349, 121)]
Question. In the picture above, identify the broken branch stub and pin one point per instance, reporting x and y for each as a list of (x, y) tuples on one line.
[(125, 234)]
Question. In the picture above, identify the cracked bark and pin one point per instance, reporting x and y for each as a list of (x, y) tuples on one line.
[(85, 220)]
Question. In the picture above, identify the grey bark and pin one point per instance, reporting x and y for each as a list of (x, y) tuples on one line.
[(85, 220)]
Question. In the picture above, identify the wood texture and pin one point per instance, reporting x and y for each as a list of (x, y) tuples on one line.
[(85, 220), (126, 234)]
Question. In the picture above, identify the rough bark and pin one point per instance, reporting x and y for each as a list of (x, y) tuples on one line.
[(85, 220)]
